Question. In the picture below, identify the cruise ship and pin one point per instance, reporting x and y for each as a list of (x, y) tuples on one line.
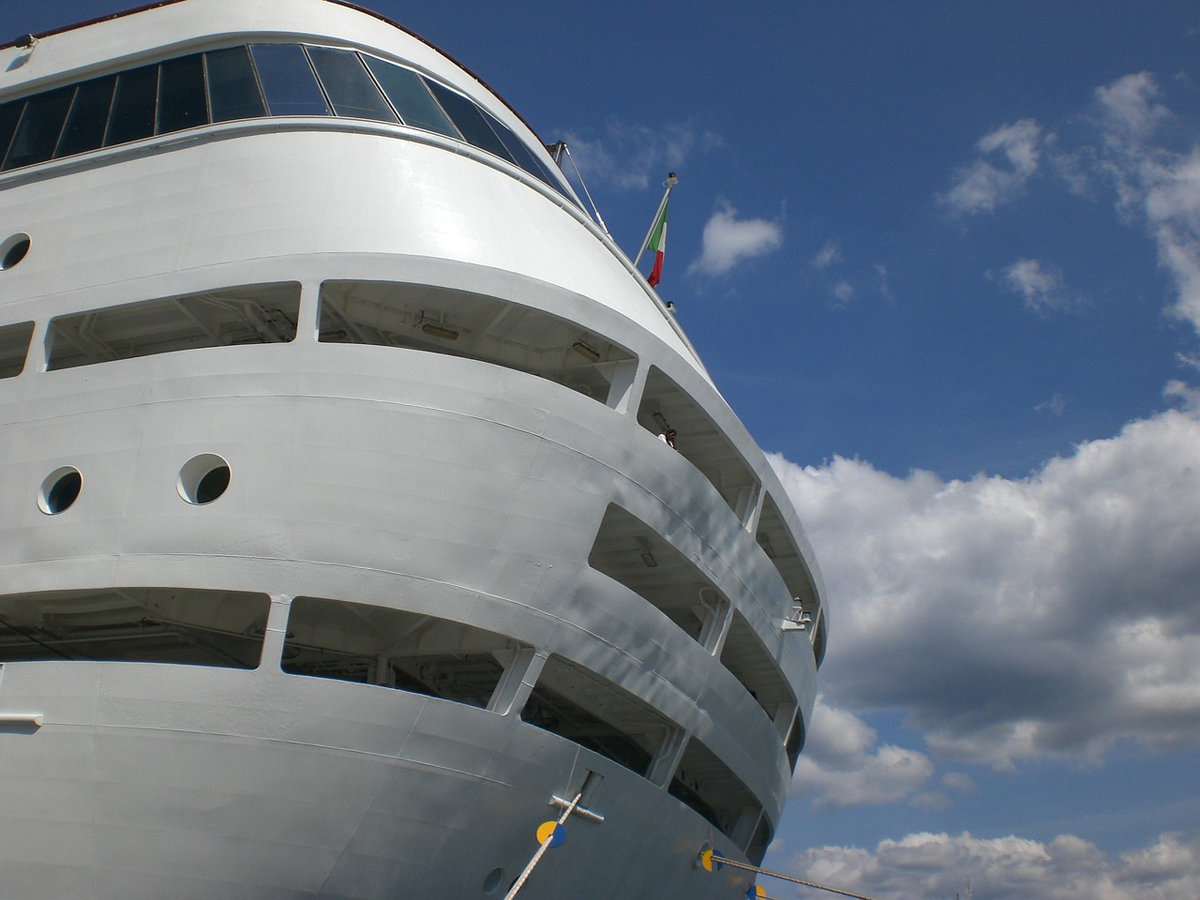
[(341, 546)]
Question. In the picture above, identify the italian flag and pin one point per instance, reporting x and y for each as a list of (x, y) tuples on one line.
[(658, 244)]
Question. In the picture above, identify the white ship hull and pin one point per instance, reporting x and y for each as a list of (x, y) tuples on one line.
[(449, 570)]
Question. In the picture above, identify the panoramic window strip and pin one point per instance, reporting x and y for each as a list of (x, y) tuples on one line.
[(709, 787), (255, 314), (396, 649), (775, 539), (158, 625), (14, 347), (475, 326), (750, 663), (583, 707), (633, 554), (245, 82), (670, 412)]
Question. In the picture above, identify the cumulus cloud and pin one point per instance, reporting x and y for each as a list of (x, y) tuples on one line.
[(1010, 157), (1007, 868), (630, 156), (1018, 619), (844, 766), (1041, 286), (1130, 105), (728, 240)]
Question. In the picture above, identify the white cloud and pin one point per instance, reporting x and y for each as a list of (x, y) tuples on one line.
[(1018, 619), (1006, 868), (843, 765), (843, 293), (829, 254), (1041, 286), (983, 186), (631, 156), (1055, 406), (728, 240), (1152, 185), (1129, 105)]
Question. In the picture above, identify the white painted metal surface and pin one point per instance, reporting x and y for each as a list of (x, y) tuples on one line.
[(460, 489)]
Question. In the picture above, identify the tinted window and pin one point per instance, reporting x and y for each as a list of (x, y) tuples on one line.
[(9, 114), (232, 89), (133, 106), (409, 95), (469, 120), (519, 151), (38, 130), (181, 102), (14, 344), (89, 114), (288, 81), (348, 86)]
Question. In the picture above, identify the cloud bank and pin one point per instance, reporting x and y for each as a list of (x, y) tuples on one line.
[(1006, 868), (1017, 619)]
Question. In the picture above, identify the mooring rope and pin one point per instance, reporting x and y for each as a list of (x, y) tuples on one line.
[(542, 848), (712, 860)]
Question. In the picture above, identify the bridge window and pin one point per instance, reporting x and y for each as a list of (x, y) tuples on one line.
[(232, 90), (348, 86), (39, 127), (411, 99), (224, 85)]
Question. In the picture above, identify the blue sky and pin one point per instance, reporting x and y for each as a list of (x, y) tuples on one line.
[(944, 260)]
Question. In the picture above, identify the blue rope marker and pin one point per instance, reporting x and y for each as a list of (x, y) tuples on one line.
[(549, 834)]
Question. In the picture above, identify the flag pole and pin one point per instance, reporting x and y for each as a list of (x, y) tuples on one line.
[(668, 184)]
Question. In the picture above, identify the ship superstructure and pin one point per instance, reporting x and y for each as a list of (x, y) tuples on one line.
[(339, 547)]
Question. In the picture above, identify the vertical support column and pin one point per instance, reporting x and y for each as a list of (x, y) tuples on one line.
[(308, 320), (35, 360), (621, 389), (520, 675), (273, 641)]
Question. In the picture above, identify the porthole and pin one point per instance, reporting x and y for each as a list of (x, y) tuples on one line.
[(13, 250), (59, 490), (203, 479), (491, 883)]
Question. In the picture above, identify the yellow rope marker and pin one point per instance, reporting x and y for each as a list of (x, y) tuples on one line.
[(552, 830), (712, 860)]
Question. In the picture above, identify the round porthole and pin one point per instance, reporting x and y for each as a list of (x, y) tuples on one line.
[(203, 478), (491, 883), (13, 250), (59, 490)]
